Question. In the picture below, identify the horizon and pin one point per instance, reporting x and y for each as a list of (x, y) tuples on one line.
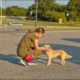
[(26, 3)]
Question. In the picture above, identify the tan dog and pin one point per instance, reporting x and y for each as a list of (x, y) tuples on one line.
[(55, 53)]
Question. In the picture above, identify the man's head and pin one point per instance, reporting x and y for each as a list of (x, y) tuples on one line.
[(40, 32)]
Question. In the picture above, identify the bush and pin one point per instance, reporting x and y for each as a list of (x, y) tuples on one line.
[(74, 16), (62, 15), (53, 16)]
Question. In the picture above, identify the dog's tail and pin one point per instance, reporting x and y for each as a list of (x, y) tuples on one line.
[(68, 56)]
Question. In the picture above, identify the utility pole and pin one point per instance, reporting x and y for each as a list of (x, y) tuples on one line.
[(1, 13), (36, 14)]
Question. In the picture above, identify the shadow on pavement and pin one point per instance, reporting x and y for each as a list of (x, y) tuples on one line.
[(10, 58), (45, 61), (72, 39), (72, 50)]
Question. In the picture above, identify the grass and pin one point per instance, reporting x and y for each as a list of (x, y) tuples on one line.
[(42, 23)]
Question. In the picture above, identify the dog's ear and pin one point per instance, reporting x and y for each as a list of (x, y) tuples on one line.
[(47, 46), (50, 47)]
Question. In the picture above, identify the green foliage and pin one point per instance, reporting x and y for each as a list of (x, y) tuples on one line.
[(53, 16), (15, 11), (2, 11), (74, 7), (48, 10), (44, 1), (59, 8)]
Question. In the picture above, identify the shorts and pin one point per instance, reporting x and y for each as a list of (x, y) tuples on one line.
[(28, 58)]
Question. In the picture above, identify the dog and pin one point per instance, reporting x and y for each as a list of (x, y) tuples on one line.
[(55, 53)]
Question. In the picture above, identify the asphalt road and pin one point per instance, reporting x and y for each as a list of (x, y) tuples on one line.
[(10, 68)]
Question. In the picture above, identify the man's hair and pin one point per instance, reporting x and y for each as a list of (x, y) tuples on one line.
[(40, 29)]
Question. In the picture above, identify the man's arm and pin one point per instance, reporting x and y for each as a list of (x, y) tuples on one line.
[(36, 41)]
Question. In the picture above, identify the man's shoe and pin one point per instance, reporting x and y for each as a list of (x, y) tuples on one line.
[(22, 62), (30, 63)]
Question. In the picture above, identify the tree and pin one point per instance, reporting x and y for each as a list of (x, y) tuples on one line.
[(74, 7), (59, 8), (16, 11), (2, 11), (48, 10), (48, 1), (43, 6)]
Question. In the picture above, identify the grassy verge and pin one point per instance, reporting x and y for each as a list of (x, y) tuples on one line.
[(42, 23)]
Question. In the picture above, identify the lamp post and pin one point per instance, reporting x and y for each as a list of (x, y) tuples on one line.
[(68, 16), (1, 13), (36, 18)]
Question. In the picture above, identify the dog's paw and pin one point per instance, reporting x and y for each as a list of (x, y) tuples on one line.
[(62, 64), (48, 64)]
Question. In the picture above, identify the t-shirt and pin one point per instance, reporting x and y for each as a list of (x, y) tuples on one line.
[(26, 45)]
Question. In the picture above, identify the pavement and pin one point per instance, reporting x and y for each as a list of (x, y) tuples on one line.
[(10, 69)]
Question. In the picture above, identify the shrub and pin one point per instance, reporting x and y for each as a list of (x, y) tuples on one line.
[(53, 16)]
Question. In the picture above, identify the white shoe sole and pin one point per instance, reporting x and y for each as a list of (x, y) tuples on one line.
[(22, 62), (31, 64)]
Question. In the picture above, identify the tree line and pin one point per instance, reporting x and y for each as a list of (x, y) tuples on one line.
[(48, 10)]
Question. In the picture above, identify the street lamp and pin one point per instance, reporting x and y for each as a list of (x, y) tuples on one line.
[(31, 13), (68, 16), (36, 13)]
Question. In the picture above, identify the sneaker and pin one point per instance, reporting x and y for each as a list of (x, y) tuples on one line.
[(30, 63), (22, 62)]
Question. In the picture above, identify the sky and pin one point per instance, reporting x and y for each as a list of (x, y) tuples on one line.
[(25, 3)]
